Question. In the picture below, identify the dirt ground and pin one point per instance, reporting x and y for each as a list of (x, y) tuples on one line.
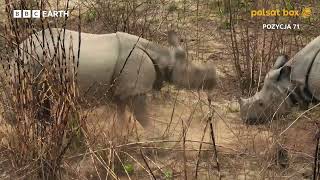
[(244, 152)]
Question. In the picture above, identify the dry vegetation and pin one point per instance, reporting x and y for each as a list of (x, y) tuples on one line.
[(80, 144)]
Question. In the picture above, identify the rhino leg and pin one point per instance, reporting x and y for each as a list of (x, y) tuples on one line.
[(44, 112), (137, 105), (121, 109), (139, 109), (121, 123)]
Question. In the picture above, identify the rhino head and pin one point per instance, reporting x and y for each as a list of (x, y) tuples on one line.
[(273, 99), (190, 75)]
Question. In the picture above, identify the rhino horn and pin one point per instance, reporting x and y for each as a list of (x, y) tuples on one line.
[(281, 60)]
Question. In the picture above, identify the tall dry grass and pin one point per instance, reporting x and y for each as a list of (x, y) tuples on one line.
[(255, 49), (40, 96)]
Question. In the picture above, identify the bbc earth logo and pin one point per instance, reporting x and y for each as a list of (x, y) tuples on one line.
[(39, 13)]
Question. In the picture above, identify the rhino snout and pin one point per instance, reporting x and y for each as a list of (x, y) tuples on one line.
[(248, 112)]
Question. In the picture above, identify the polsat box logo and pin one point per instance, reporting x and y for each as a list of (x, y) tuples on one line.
[(305, 12)]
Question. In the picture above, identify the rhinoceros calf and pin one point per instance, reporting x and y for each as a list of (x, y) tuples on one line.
[(132, 65), (289, 83)]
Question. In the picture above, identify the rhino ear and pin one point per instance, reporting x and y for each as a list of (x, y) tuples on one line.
[(281, 60), (173, 39), (285, 72)]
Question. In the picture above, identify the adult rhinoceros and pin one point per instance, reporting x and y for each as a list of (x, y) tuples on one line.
[(288, 83), (133, 66)]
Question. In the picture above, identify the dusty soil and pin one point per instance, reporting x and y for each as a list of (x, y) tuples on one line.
[(244, 152)]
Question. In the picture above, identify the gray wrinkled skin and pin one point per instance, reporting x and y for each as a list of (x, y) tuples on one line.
[(105, 57), (272, 98), (285, 86)]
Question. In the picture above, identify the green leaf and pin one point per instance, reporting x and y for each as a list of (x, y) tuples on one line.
[(128, 168), (168, 175)]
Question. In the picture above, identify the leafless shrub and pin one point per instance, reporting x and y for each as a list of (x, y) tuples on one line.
[(135, 17), (255, 49), (42, 102)]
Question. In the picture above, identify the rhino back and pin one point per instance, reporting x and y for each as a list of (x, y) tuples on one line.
[(98, 56), (303, 59), (314, 78), (304, 62)]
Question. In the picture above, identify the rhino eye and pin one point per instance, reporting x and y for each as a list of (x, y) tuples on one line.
[(260, 103)]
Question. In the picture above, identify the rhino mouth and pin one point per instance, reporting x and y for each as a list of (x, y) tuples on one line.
[(264, 118), (251, 117), (273, 111)]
